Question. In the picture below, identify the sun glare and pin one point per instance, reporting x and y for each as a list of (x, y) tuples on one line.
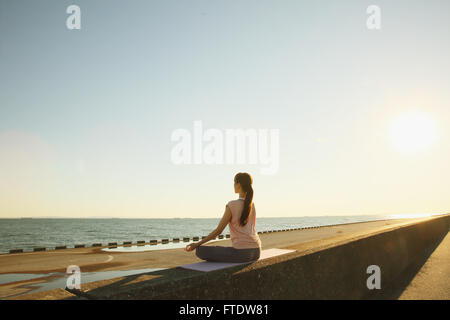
[(413, 132)]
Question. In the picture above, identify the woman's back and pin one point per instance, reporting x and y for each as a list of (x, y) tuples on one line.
[(242, 237)]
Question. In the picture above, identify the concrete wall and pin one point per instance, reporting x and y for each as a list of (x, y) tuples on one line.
[(336, 272)]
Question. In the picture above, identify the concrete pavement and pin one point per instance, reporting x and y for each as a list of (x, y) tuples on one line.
[(432, 282)]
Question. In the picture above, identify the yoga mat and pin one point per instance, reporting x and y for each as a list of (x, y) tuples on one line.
[(207, 266)]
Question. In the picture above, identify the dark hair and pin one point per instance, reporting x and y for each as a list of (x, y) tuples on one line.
[(245, 180)]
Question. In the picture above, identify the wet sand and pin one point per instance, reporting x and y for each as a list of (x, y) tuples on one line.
[(96, 260)]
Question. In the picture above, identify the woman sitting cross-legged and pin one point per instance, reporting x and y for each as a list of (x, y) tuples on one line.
[(240, 216)]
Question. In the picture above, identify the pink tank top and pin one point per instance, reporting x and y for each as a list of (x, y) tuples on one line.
[(242, 237)]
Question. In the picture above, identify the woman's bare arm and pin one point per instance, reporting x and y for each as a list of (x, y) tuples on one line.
[(222, 224)]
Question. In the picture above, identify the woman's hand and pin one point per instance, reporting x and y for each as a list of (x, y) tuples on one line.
[(192, 246)]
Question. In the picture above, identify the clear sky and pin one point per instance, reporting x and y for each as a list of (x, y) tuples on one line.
[(86, 116)]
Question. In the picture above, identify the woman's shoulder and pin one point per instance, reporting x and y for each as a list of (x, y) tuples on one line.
[(239, 201), (235, 201)]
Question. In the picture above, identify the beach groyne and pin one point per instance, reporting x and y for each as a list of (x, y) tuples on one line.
[(336, 269)]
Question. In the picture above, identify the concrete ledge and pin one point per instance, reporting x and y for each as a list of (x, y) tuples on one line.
[(335, 270)]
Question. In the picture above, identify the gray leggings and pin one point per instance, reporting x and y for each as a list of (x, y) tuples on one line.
[(227, 254)]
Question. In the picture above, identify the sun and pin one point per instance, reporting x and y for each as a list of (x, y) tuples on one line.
[(413, 132)]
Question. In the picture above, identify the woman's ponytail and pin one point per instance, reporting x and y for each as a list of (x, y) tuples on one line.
[(245, 180)]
